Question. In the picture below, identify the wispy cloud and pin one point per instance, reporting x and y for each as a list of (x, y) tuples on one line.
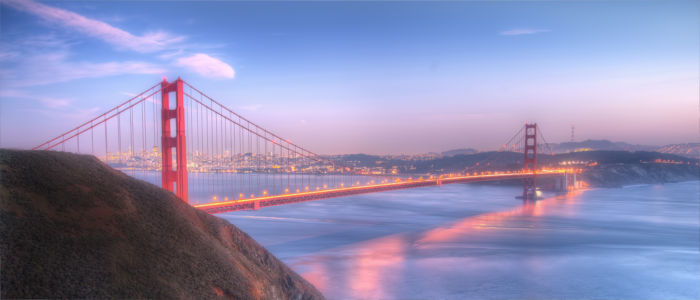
[(50, 106), (74, 113), (170, 47), (171, 54), (149, 42), (523, 31), (8, 55), (37, 60), (206, 65), (48, 102), (252, 107), (51, 102), (35, 69)]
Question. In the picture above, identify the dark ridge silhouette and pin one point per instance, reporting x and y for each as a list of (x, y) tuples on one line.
[(72, 227)]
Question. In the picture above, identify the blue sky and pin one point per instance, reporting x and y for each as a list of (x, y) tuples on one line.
[(372, 77)]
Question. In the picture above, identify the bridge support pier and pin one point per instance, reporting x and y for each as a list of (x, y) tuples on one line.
[(530, 184), (571, 181), (173, 175), (561, 184), (566, 182)]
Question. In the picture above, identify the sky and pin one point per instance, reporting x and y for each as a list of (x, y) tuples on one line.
[(365, 77)]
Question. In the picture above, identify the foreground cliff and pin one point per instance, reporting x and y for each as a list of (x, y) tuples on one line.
[(71, 227)]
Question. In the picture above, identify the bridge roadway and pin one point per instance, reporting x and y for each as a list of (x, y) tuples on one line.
[(258, 202)]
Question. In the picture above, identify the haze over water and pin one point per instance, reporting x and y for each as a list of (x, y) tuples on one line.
[(477, 241)]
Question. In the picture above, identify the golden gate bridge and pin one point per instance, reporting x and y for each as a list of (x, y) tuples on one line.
[(176, 129)]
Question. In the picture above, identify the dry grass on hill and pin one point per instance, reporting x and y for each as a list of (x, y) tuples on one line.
[(70, 226)]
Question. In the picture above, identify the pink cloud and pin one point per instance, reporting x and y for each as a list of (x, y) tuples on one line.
[(206, 65)]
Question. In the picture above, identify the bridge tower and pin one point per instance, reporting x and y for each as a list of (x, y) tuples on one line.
[(173, 173), (530, 184)]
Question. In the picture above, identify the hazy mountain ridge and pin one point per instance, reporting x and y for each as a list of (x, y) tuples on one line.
[(496, 159), (686, 149), (601, 167), (459, 151), (691, 150), (599, 145), (617, 175)]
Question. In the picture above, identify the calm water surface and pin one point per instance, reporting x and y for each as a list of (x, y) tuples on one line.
[(465, 241)]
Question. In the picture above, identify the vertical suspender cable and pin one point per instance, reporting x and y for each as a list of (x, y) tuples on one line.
[(92, 139), (230, 157), (131, 131), (265, 167), (257, 163), (234, 164), (119, 136), (241, 158), (222, 153), (143, 128), (210, 148), (252, 162), (106, 143), (216, 149), (198, 145)]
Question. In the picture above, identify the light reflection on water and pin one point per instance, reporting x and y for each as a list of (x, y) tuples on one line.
[(375, 267), (513, 219), (478, 242), (466, 241)]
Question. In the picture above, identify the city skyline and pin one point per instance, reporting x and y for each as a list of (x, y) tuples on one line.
[(378, 78)]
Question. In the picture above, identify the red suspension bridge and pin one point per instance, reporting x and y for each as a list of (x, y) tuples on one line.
[(176, 130)]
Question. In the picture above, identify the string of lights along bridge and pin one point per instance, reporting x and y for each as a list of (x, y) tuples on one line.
[(174, 130)]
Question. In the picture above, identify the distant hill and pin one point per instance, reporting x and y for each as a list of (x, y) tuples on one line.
[(72, 227), (601, 168), (360, 158), (691, 150), (687, 150), (598, 145), (459, 151)]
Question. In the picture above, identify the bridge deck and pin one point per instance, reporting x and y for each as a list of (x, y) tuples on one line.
[(256, 203)]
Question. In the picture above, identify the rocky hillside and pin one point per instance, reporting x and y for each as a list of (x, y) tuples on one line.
[(71, 227), (616, 175), (688, 150)]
